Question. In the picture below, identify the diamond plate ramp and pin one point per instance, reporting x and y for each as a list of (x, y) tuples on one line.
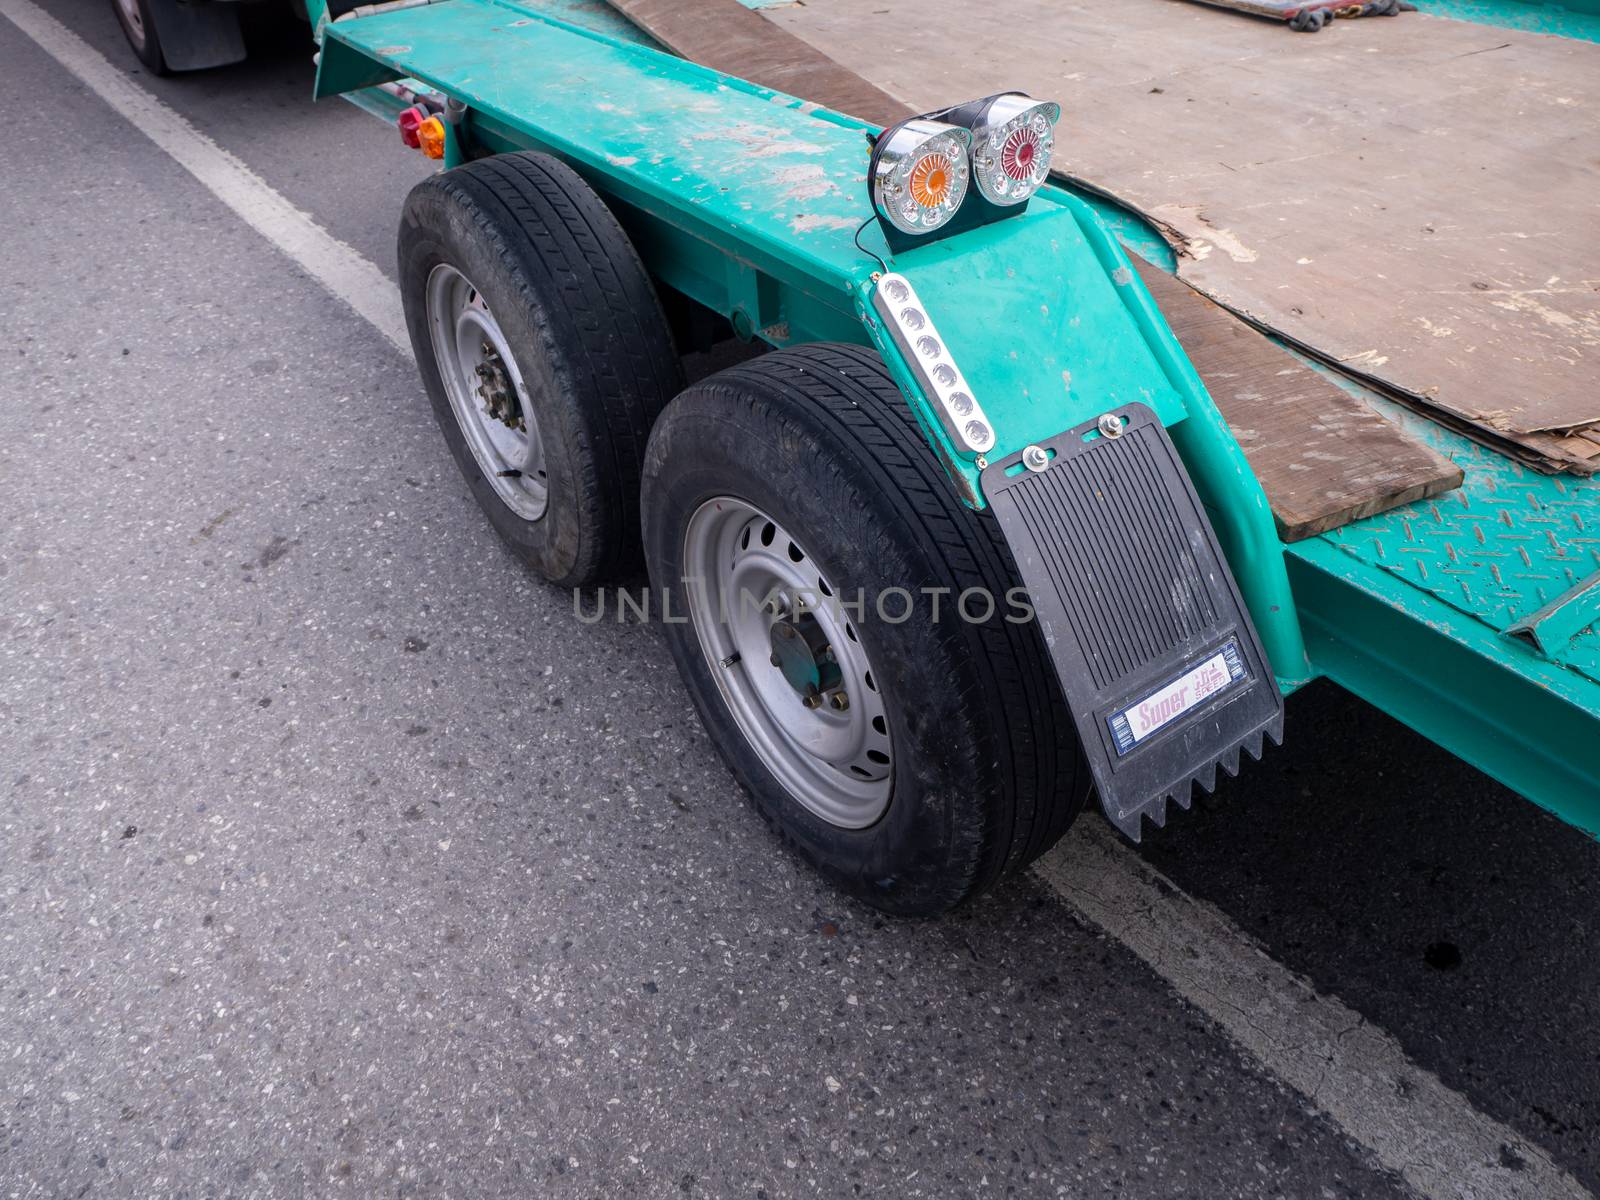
[(1508, 543)]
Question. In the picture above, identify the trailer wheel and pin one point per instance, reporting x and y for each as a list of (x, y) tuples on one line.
[(545, 353), (791, 512), (139, 27)]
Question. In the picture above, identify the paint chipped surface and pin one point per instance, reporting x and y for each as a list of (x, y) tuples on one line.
[(811, 222), (806, 181)]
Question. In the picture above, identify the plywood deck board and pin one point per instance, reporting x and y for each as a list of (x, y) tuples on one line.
[(736, 40), (1324, 458)]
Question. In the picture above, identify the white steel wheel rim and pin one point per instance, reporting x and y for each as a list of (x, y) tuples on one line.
[(481, 379), (134, 19), (837, 762)]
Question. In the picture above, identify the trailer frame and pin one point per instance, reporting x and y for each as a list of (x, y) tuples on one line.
[(1381, 606)]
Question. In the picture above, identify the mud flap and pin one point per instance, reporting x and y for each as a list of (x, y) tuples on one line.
[(1155, 651), (195, 36)]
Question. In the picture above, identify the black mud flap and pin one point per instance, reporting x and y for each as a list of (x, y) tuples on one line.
[(195, 36), (1155, 651)]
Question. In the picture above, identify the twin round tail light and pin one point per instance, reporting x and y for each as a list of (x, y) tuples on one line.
[(919, 172), (1011, 144), (933, 365), (921, 168)]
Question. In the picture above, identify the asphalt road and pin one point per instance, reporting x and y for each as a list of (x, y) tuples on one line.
[(337, 857)]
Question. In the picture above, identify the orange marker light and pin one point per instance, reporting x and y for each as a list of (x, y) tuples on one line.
[(430, 135)]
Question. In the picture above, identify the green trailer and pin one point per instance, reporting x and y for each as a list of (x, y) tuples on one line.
[(970, 543)]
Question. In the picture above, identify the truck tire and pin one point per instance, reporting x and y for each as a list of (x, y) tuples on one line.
[(951, 761), (545, 353), (139, 27)]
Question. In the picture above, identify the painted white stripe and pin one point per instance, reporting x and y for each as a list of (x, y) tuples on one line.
[(337, 266), (1356, 1074)]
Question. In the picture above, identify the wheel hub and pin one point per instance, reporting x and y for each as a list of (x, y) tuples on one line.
[(135, 19), (498, 393), (801, 650), (793, 671), (488, 394)]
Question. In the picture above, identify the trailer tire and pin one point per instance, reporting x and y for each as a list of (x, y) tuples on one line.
[(517, 250), (139, 27), (811, 456)]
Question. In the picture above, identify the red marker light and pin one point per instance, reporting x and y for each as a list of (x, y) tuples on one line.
[(1019, 153), (409, 122)]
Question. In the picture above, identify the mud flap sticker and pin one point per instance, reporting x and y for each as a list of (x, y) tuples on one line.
[(1160, 665)]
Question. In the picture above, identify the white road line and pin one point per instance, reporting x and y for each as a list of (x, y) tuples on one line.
[(1357, 1075), (1353, 1072), (340, 269)]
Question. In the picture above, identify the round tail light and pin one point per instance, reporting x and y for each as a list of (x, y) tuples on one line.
[(920, 172), (1011, 145)]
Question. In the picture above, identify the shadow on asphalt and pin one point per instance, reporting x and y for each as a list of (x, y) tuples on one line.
[(1442, 907)]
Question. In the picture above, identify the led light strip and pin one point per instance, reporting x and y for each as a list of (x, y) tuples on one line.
[(931, 362)]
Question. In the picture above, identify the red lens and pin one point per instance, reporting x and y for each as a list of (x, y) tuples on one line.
[(409, 122), (1019, 154)]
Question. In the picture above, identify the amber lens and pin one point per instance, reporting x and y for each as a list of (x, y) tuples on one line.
[(930, 180)]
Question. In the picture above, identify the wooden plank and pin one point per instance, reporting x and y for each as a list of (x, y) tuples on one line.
[(728, 37), (1323, 457)]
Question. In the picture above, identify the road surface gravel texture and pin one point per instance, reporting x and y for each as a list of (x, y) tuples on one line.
[(338, 857)]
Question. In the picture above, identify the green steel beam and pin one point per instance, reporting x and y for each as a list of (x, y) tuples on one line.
[(1531, 724), (1576, 19)]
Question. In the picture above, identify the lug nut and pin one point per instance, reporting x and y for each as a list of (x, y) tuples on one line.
[(811, 701), (776, 661), (840, 701)]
